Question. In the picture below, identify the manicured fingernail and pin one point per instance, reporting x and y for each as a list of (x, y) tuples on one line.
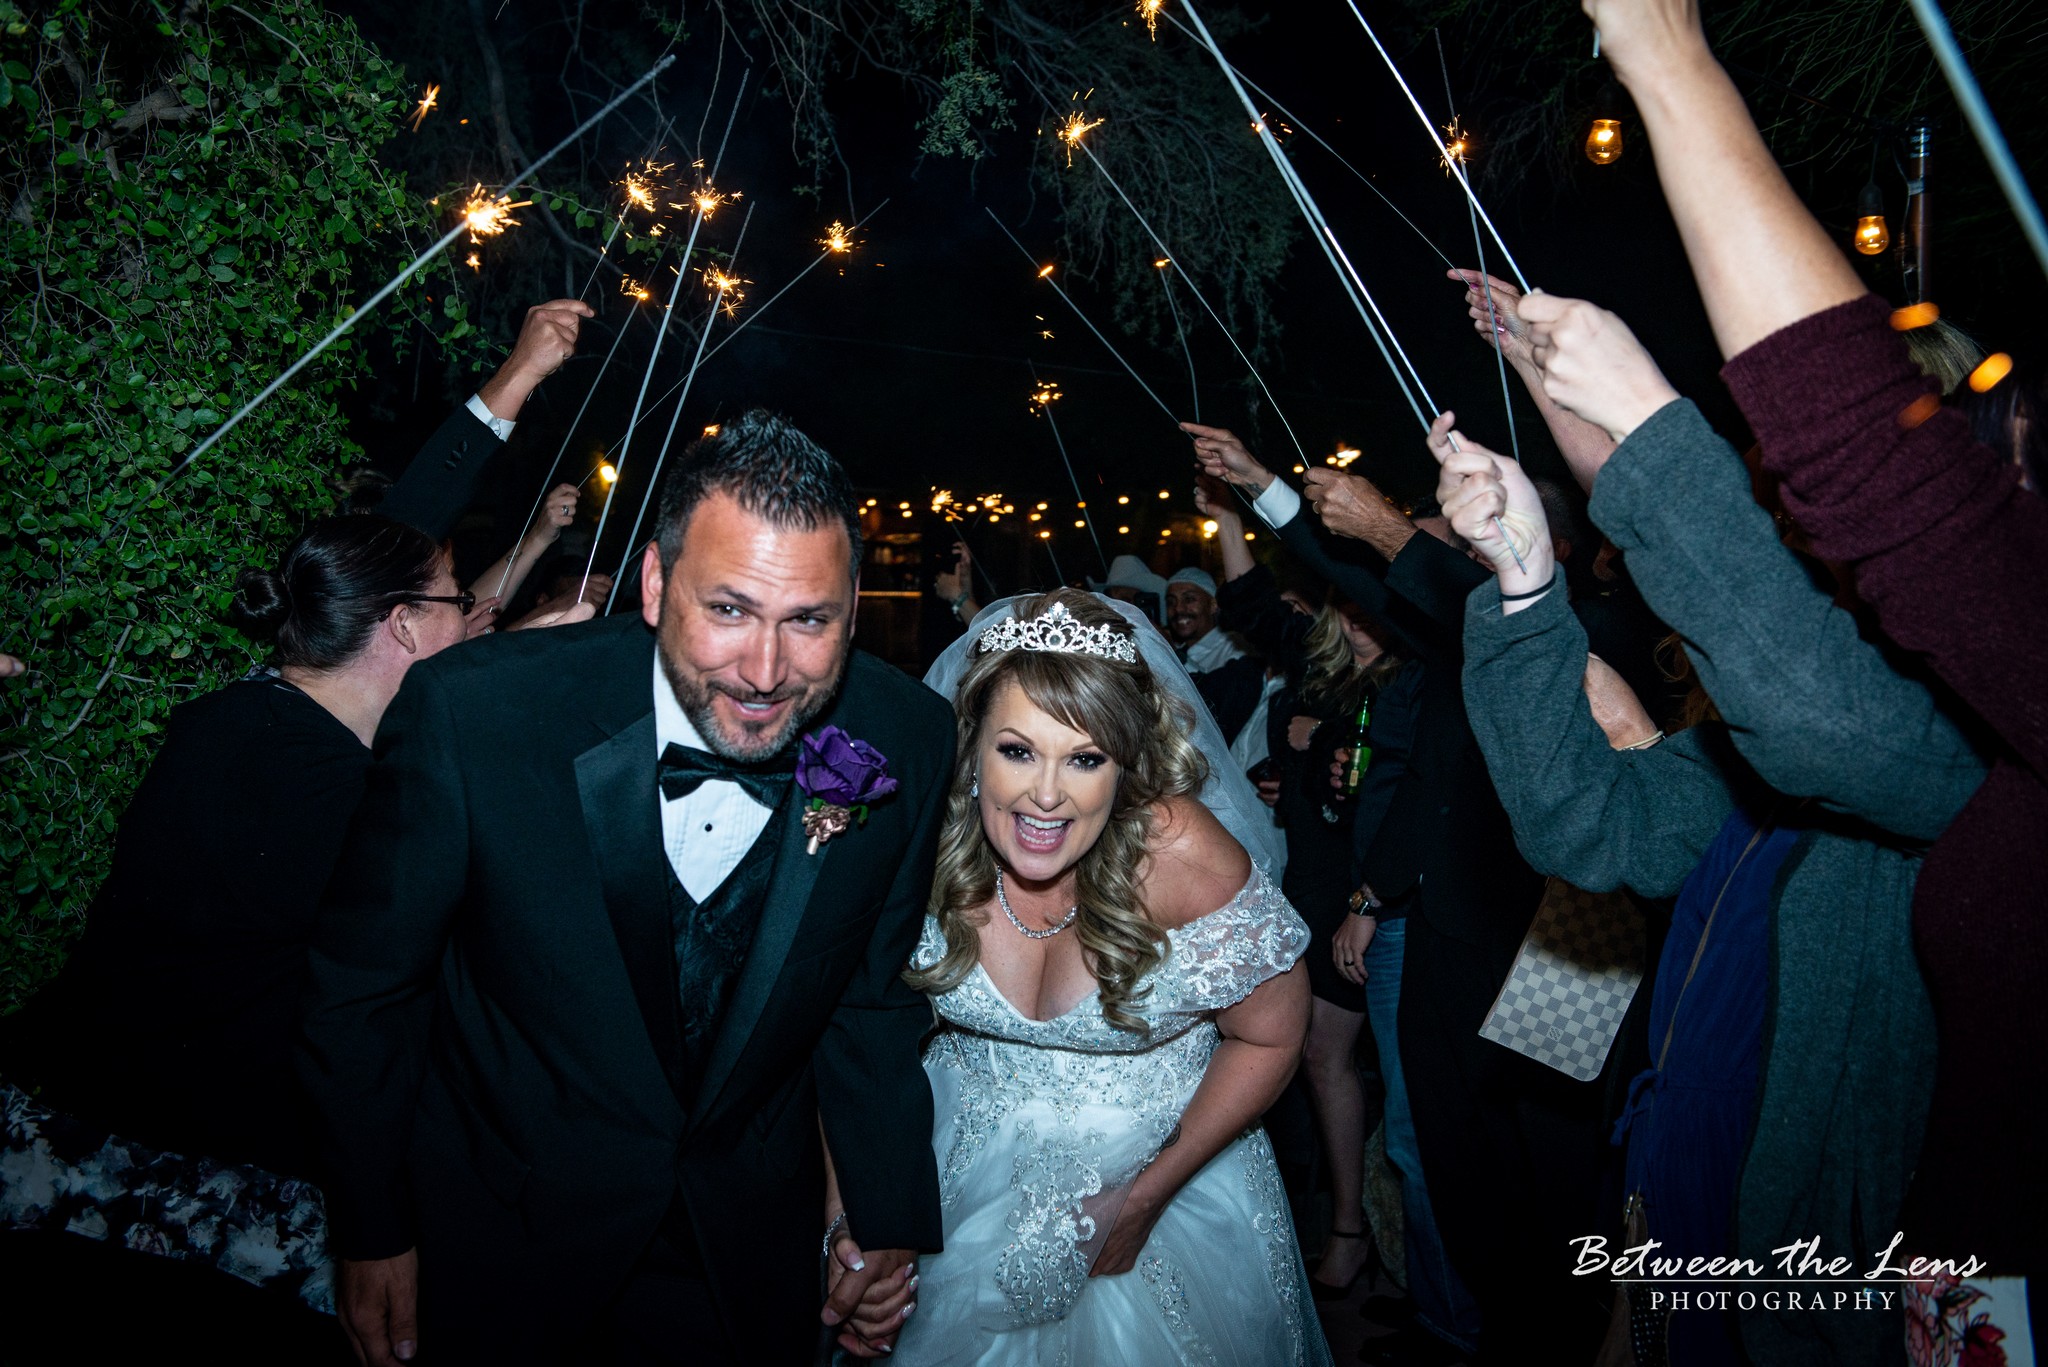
[(908, 1308), (830, 1316), (404, 1350), (914, 1281), (860, 1264)]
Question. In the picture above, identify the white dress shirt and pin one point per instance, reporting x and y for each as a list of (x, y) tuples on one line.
[(707, 831), (1214, 650), (1278, 505), (501, 428)]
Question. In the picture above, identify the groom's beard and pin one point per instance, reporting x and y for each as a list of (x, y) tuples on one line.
[(742, 742)]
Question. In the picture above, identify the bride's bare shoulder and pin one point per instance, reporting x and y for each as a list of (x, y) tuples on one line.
[(1192, 864)]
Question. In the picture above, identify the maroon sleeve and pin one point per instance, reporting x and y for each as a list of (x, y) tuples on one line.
[(1947, 547)]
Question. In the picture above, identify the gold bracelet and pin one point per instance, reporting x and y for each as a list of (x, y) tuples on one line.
[(1643, 744)]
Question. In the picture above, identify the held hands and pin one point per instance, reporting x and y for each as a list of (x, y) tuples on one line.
[(1484, 496), (869, 1296), (1592, 365), (1222, 456), (377, 1302), (546, 339)]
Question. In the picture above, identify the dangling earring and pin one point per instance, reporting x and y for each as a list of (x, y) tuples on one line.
[(975, 791)]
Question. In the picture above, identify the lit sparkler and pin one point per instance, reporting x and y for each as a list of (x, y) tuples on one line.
[(1071, 131), (728, 289), (633, 289), (488, 215), (1457, 147), (1045, 396), (428, 102), (473, 263), (838, 238), (1148, 10)]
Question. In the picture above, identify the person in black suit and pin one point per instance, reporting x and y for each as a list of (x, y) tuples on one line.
[(574, 1088), (1511, 1148)]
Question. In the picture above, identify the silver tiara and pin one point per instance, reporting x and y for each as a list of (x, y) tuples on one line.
[(1058, 631)]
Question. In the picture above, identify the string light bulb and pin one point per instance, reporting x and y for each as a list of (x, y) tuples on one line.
[(1872, 234), (1603, 142)]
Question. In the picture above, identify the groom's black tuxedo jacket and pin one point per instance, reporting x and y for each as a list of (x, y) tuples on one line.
[(494, 1003)]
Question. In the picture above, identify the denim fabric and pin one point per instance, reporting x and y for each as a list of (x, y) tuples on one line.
[(1442, 1304)]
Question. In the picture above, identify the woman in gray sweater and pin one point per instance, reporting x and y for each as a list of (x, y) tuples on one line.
[(1792, 1033)]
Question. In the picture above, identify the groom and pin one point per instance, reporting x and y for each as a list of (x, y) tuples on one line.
[(573, 1080)]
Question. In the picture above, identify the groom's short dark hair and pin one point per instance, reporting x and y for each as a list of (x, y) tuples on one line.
[(770, 469)]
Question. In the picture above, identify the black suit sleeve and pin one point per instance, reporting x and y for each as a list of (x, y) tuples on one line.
[(442, 479), (376, 948), (1252, 607), (873, 1098), (1363, 580)]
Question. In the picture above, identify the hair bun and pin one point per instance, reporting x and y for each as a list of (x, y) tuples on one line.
[(262, 602)]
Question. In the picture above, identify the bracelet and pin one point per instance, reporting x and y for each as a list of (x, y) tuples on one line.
[(1643, 744), (831, 1233), (1548, 585)]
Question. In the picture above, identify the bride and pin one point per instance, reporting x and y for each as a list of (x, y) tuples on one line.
[(1117, 1004)]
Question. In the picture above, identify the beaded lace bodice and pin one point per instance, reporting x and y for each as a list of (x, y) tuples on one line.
[(1212, 962)]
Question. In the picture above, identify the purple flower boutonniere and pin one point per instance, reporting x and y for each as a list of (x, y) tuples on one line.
[(841, 776)]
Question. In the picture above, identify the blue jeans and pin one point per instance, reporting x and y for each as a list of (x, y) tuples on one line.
[(1442, 1304)]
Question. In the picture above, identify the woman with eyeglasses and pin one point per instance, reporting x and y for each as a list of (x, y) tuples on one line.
[(174, 1022)]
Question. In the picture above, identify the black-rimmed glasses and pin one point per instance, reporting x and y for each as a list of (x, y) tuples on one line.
[(465, 601)]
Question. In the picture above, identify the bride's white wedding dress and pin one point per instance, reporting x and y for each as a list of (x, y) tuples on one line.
[(1041, 1127)]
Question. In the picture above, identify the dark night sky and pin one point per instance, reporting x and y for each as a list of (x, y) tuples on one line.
[(914, 365)]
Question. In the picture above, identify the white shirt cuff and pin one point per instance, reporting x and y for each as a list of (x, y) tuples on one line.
[(501, 428), (1279, 505)]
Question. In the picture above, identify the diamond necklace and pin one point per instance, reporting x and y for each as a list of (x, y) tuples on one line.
[(1024, 930)]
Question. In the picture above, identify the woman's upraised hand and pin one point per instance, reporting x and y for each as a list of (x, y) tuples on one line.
[(1592, 365), (1223, 456), (1492, 504), (1499, 325)]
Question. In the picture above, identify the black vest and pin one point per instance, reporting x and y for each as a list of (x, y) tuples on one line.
[(711, 940)]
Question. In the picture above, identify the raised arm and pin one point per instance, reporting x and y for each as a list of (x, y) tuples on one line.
[(441, 480), (1585, 447), (1762, 261)]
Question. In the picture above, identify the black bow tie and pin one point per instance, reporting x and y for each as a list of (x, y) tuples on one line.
[(683, 770)]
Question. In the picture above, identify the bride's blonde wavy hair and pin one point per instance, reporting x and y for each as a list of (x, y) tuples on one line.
[(1138, 724)]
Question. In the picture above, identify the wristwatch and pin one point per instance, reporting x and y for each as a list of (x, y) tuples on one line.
[(1363, 903)]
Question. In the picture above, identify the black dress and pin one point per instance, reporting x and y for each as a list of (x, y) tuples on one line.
[(174, 1021)]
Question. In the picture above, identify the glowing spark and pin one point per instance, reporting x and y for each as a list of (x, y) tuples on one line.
[(1070, 132), (708, 201), (427, 103), (1162, 263), (1148, 10), (1345, 455), (838, 238), (473, 263), (942, 503), (729, 289), (1044, 397), (608, 472), (1459, 148), (489, 215), (1045, 270), (638, 193), (712, 429), (633, 289)]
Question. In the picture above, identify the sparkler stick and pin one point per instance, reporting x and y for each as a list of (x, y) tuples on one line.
[(1045, 274), (1456, 169), (762, 308), (390, 288), (1057, 572), (1971, 97), (1347, 275), (660, 335), (1043, 401), (1167, 252), (1319, 141), (1500, 354), (1166, 267), (556, 464), (722, 284)]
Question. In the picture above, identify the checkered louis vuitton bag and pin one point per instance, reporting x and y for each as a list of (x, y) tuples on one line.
[(1576, 973)]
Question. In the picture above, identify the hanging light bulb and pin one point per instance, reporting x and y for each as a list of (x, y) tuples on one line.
[(1603, 143), (1872, 236)]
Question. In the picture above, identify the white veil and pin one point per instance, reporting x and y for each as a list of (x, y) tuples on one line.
[(1228, 793)]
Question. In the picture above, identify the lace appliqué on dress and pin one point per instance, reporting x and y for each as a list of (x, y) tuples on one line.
[(1172, 1299), (1045, 1268), (1276, 1232)]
